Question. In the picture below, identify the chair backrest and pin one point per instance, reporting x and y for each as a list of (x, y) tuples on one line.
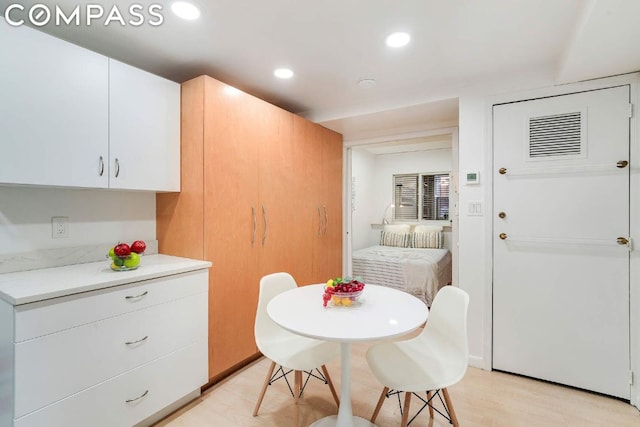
[(270, 286), (446, 329)]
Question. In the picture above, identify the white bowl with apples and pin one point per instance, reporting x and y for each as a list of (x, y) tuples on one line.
[(125, 257)]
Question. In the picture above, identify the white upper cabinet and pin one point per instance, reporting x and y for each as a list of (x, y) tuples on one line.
[(70, 117), (53, 111), (144, 130)]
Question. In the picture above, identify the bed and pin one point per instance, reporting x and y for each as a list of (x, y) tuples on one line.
[(420, 271)]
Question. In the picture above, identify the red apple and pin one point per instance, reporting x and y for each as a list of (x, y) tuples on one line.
[(122, 250), (138, 246)]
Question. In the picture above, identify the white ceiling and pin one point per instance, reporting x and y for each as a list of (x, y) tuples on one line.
[(331, 44)]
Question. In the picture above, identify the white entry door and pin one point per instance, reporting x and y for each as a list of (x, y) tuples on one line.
[(561, 264)]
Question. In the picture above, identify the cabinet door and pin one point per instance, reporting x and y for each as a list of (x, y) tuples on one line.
[(308, 222), (53, 111), (278, 207), (231, 221), (144, 130), (331, 242)]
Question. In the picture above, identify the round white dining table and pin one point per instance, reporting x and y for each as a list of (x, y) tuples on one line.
[(380, 313)]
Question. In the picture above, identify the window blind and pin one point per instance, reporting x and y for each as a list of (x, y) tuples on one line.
[(435, 197), (406, 197)]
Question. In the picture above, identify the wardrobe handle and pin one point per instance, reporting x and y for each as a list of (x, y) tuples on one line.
[(326, 220), (264, 219), (137, 296), (101, 166), (253, 236), (138, 341), (319, 222), (137, 398), (117, 167)]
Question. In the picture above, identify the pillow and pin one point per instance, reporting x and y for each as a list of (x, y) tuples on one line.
[(397, 228), (427, 239), (391, 238), (425, 228)]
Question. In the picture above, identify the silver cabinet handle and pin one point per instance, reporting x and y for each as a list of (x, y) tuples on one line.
[(138, 341), (137, 398), (253, 215), (117, 167), (137, 296), (101, 166), (264, 219), (326, 220), (319, 222)]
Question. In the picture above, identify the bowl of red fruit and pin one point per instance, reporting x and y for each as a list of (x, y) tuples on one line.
[(342, 292), (125, 257)]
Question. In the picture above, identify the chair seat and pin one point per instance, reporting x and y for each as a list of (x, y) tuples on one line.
[(411, 366), (297, 352)]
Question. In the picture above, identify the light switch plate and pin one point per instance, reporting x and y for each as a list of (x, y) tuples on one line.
[(474, 208)]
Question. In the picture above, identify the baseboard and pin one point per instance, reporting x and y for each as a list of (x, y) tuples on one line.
[(476, 362)]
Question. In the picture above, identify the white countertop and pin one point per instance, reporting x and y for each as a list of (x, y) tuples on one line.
[(24, 287)]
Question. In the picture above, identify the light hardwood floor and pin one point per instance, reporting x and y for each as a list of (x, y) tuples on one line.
[(482, 398)]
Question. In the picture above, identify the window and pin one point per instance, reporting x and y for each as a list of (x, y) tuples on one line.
[(421, 197)]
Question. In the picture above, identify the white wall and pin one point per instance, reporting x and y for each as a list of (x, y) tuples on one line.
[(364, 212), (374, 185), (95, 217)]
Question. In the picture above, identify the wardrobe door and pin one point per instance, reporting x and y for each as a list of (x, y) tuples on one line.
[(309, 217), (278, 206), (231, 215), (331, 242)]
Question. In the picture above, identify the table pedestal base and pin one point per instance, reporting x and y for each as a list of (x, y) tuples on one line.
[(333, 419)]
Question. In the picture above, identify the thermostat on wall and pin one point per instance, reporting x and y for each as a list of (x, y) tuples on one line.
[(472, 178)]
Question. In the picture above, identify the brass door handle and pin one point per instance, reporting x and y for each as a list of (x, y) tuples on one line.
[(502, 215), (622, 164), (622, 241), (503, 236), (502, 171)]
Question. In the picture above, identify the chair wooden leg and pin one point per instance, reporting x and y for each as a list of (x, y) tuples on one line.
[(405, 408), (264, 388), (297, 389), (379, 405), (330, 384), (430, 407), (452, 413)]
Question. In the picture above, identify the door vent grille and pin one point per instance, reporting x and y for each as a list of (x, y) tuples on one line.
[(555, 135)]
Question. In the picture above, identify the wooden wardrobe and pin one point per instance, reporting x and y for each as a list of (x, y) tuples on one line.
[(261, 193)]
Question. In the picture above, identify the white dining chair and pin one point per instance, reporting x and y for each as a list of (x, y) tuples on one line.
[(432, 361), (293, 353)]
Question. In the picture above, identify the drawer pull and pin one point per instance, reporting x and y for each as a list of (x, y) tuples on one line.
[(138, 341), (137, 398), (137, 296)]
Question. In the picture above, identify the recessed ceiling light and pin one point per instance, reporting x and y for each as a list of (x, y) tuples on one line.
[(398, 39), (185, 10), (366, 83), (283, 73)]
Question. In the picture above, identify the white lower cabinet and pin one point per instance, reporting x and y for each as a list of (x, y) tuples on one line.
[(129, 398), (110, 357)]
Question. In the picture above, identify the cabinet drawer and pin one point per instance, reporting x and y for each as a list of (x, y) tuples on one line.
[(164, 381), (58, 365), (45, 317)]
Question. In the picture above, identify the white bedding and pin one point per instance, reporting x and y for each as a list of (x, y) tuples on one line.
[(421, 272)]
